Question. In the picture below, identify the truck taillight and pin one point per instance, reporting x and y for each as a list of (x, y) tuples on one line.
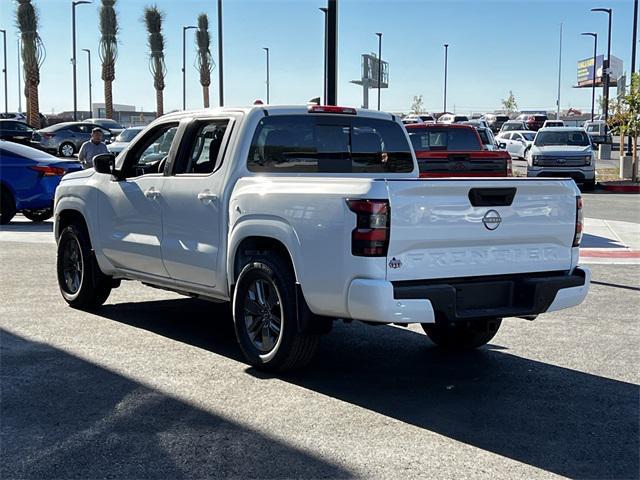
[(577, 237), (370, 238)]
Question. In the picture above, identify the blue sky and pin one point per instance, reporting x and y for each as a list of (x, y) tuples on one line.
[(495, 46)]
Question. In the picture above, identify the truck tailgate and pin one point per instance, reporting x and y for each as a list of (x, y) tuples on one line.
[(468, 228)]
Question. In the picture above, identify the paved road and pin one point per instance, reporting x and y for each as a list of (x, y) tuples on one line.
[(153, 386), (624, 207)]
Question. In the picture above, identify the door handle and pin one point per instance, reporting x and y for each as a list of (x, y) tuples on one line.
[(152, 193), (207, 196)]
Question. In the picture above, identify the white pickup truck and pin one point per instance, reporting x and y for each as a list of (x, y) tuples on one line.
[(303, 215)]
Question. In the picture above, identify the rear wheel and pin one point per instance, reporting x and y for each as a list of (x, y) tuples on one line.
[(81, 282), (589, 185), (265, 317), (7, 206), (462, 336), (38, 215), (66, 149)]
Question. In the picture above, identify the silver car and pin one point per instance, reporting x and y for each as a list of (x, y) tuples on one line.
[(65, 139), (121, 141)]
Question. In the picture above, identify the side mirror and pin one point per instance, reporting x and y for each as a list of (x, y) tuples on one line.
[(502, 145), (105, 163)]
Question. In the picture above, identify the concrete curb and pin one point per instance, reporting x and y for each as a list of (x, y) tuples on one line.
[(620, 188)]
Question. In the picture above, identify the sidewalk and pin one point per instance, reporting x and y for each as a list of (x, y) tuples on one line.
[(610, 241)]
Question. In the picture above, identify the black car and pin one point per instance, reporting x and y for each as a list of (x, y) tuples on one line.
[(15, 131)]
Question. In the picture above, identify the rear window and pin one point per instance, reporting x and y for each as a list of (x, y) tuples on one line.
[(540, 118), (329, 144), (460, 118), (484, 136), (434, 139), (502, 118), (572, 138)]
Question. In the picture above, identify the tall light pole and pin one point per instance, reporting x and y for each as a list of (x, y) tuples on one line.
[(446, 58), (634, 42), (19, 79), (593, 81), (332, 52), (606, 67), (559, 75), (74, 4), (324, 73), (4, 71), (266, 49), (90, 85), (220, 64), (184, 66), (379, 66)]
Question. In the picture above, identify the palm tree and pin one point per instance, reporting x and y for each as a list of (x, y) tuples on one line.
[(33, 55), (204, 61), (108, 51), (153, 19)]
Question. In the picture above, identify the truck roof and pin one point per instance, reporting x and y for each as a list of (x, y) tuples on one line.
[(439, 126), (275, 109)]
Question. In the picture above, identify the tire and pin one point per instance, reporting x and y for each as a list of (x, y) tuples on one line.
[(265, 317), (67, 149), (589, 186), (82, 284), (7, 206), (462, 336), (38, 215)]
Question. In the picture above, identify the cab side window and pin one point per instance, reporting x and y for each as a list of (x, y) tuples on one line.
[(204, 151), (149, 155)]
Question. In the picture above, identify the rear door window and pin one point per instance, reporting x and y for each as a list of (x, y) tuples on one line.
[(329, 144), (205, 154)]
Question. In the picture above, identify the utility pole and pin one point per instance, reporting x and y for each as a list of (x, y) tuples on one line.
[(266, 49), (559, 75), (593, 81), (4, 71), (220, 64), (184, 69), (324, 73), (19, 79), (379, 66), (90, 84), (634, 43), (73, 57), (332, 52), (446, 58)]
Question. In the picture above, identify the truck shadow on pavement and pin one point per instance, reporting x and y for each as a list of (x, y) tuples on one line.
[(561, 420), (64, 417)]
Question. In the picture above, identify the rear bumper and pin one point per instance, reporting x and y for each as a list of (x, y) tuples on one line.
[(466, 299)]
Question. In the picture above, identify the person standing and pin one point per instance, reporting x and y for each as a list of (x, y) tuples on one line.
[(95, 146)]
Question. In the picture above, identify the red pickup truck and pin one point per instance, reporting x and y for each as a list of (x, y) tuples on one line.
[(455, 151)]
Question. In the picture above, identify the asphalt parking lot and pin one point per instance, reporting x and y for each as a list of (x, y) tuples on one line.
[(153, 386)]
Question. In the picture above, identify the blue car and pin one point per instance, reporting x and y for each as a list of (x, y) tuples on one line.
[(28, 181)]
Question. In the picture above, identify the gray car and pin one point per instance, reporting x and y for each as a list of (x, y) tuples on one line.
[(114, 127), (121, 141), (65, 139)]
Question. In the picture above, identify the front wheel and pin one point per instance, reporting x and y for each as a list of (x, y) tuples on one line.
[(81, 282), (7, 206), (38, 215), (265, 317), (462, 336)]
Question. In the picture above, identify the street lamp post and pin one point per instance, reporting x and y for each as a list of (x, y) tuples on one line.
[(220, 64), (606, 67), (90, 85), (19, 79), (74, 4), (4, 71), (593, 81), (184, 69), (379, 66), (634, 42), (324, 72), (446, 58), (266, 49)]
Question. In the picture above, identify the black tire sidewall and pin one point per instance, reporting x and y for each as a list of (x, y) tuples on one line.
[(273, 271), (92, 291), (7, 206)]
